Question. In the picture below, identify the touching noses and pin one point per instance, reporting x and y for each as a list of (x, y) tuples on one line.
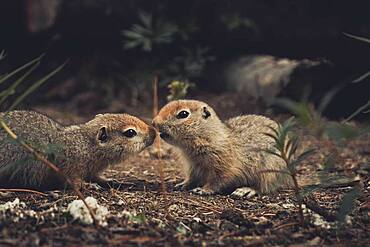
[(156, 122), (152, 135)]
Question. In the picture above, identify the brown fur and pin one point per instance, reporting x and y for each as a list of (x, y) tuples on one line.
[(81, 154), (222, 156)]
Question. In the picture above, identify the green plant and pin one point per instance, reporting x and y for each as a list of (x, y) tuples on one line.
[(191, 63), (310, 118), (149, 33), (285, 147), (235, 21), (306, 113), (178, 90)]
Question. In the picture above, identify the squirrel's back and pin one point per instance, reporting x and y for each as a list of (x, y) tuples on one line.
[(39, 131), (251, 139)]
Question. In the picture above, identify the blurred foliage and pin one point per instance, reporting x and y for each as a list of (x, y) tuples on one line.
[(235, 21), (347, 204), (191, 64), (312, 119), (153, 35), (178, 90), (148, 33)]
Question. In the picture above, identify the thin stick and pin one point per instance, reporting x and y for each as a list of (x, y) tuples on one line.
[(49, 164), (23, 190), (155, 96), (158, 139)]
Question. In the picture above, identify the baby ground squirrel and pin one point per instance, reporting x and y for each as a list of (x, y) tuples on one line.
[(221, 156), (85, 150)]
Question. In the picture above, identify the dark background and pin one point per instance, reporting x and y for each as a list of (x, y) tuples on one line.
[(101, 72)]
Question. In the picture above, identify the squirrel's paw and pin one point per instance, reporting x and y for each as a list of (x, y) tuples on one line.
[(105, 183), (203, 191), (111, 184), (181, 186), (93, 186), (243, 192)]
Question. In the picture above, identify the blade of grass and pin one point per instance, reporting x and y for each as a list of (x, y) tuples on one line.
[(2, 55), (6, 77), (11, 89), (358, 111), (35, 86), (357, 37), (362, 77)]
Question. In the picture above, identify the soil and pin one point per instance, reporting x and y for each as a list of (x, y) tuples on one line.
[(161, 216)]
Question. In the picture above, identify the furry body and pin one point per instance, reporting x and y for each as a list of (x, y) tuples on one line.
[(222, 156), (79, 153)]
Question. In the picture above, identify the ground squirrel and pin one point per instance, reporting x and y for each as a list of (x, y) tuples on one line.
[(85, 150), (221, 156)]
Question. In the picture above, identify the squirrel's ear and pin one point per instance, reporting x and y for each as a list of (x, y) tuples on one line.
[(102, 134), (206, 113)]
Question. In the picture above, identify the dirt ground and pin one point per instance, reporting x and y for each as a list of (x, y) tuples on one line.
[(141, 213)]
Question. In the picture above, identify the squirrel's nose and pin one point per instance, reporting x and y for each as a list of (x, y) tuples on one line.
[(156, 122), (152, 135)]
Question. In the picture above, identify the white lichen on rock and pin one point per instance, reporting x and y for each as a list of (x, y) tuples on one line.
[(15, 210), (11, 206), (79, 211)]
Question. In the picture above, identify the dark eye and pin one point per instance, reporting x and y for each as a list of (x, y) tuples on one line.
[(130, 133), (103, 135), (182, 114)]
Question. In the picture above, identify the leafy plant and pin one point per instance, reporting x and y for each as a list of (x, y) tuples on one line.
[(312, 120), (149, 33), (178, 90), (192, 63), (285, 147), (306, 113), (235, 21)]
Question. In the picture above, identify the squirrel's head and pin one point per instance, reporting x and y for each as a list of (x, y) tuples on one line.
[(118, 135), (186, 123)]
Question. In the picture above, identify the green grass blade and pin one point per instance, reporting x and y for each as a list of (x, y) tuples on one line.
[(35, 86), (2, 55), (357, 37), (11, 89), (271, 135), (358, 111), (6, 77)]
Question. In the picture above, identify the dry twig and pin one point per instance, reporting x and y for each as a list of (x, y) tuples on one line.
[(23, 190)]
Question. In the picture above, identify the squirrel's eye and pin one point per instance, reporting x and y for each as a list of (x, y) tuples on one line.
[(130, 133), (182, 114), (103, 135)]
